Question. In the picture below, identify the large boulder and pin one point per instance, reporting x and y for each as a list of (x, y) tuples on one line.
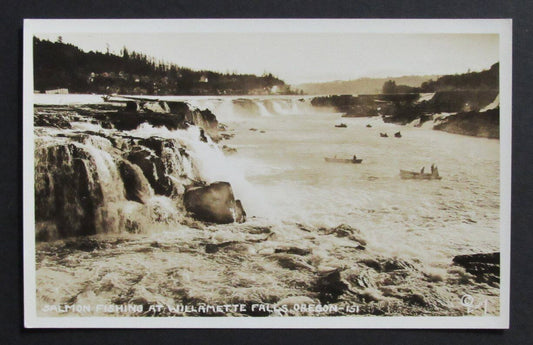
[(214, 203)]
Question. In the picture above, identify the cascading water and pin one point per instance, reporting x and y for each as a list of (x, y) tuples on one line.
[(231, 108), (90, 180)]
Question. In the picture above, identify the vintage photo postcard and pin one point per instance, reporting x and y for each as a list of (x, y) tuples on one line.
[(267, 173)]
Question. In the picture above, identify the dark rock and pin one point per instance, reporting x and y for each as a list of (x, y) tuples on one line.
[(293, 250), (211, 248), (129, 120), (240, 214), (214, 203), (83, 244), (204, 119), (330, 286), (67, 190), (229, 150), (345, 230), (153, 169), (485, 266), (45, 231), (257, 230), (178, 107), (482, 258), (351, 106), (202, 136), (172, 115), (136, 185), (459, 100), (479, 124), (373, 264), (291, 262), (56, 119), (390, 265)]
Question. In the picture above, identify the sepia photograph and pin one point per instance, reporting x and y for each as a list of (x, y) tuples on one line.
[(267, 173)]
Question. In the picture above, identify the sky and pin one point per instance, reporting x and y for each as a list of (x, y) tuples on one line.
[(301, 58)]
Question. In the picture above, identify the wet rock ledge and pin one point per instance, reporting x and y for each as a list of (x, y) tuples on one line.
[(93, 176)]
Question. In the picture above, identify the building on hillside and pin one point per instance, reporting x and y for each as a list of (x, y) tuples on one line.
[(57, 92)]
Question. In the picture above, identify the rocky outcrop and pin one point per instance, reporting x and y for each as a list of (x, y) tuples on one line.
[(204, 119), (405, 108), (214, 203), (153, 168), (484, 266), (330, 286), (351, 106), (136, 186), (67, 194), (46, 119), (170, 114), (91, 181), (480, 124)]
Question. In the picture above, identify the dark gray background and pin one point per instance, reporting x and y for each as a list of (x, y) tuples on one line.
[(12, 14)]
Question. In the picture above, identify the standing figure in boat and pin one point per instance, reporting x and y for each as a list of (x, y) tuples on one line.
[(434, 170), (434, 175)]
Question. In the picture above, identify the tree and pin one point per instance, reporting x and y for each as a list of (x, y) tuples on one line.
[(389, 87)]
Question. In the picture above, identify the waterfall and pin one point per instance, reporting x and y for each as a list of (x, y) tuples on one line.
[(109, 181), (233, 108), (98, 172)]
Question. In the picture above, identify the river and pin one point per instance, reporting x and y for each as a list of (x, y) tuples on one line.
[(280, 174)]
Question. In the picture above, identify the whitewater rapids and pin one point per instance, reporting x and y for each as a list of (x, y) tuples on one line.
[(393, 252)]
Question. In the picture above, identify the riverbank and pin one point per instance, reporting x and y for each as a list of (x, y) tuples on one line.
[(477, 110)]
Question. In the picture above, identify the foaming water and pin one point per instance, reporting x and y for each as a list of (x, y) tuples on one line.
[(395, 248), (434, 220), (210, 164)]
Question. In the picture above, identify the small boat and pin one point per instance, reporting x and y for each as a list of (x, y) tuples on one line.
[(369, 126), (343, 160), (398, 135), (412, 175), (383, 135), (342, 125)]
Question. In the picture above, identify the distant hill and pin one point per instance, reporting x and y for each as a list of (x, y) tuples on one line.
[(484, 80), (360, 86)]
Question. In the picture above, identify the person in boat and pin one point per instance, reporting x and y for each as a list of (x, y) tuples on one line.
[(435, 171), (422, 171), (354, 158)]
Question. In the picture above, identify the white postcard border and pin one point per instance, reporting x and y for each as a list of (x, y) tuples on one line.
[(503, 27)]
